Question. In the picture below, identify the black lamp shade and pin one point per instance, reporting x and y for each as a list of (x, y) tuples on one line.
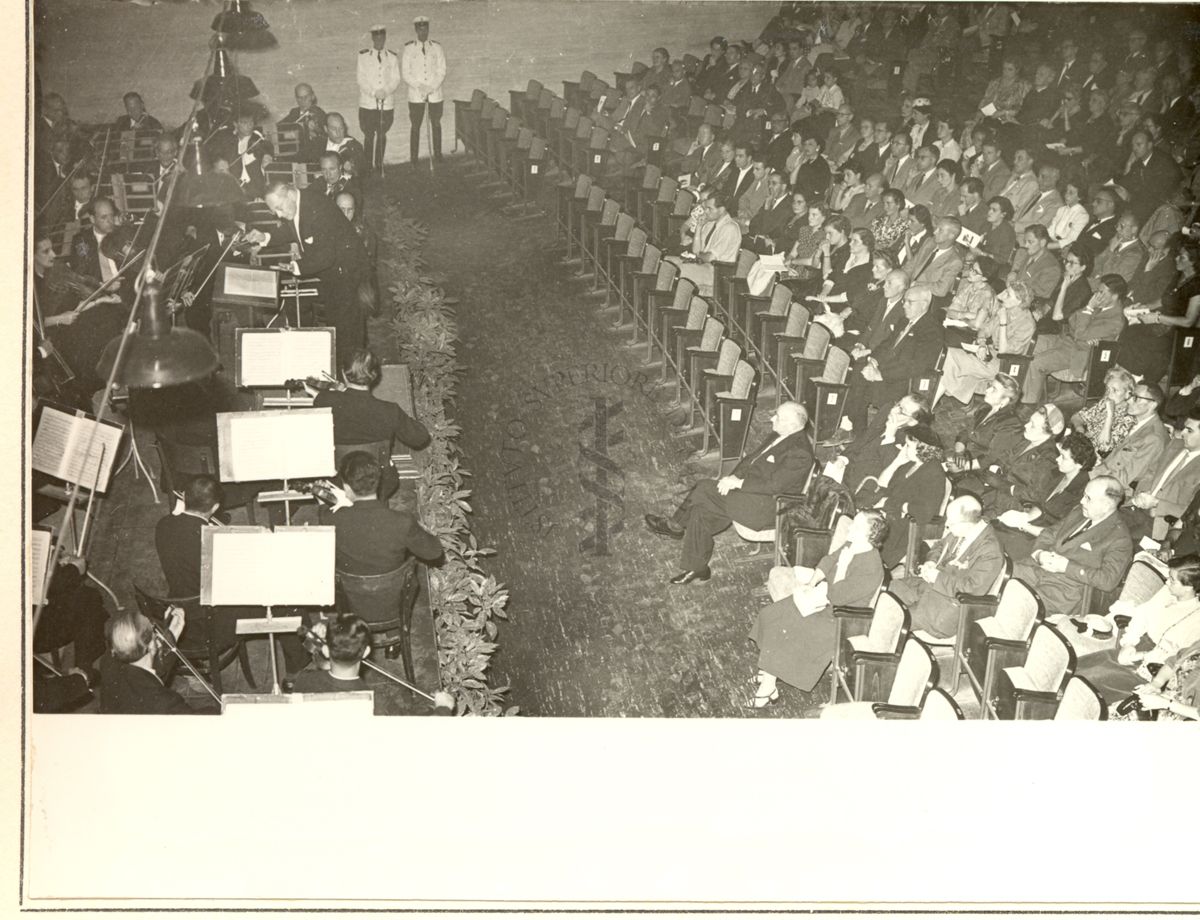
[(159, 355)]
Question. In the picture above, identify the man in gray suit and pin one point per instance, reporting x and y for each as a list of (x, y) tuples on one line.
[(1090, 546), (967, 559)]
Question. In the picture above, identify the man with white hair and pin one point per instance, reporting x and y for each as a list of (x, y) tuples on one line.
[(746, 496), (328, 248), (966, 560), (134, 675)]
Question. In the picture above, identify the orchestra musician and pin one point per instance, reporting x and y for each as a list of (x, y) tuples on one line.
[(310, 119)]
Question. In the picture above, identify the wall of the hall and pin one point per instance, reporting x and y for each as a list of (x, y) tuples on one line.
[(93, 51)]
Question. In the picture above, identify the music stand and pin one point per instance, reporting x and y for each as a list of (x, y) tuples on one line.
[(259, 567)]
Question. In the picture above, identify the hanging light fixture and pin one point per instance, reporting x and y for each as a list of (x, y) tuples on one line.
[(158, 354), (244, 28)]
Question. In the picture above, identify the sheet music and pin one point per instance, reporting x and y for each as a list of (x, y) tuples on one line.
[(39, 557), (276, 444), (259, 567), (269, 358), (250, 282), (60, 442)]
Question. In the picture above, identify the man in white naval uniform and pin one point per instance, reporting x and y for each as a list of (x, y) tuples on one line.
[(424, 68), (378, 80)]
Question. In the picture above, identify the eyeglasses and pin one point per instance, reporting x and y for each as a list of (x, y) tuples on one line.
[(1144, 397)]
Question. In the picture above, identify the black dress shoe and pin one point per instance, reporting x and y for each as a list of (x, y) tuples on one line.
[(686, 578), (663, 527)]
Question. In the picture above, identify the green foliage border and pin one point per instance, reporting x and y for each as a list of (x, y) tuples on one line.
[(466, 601)]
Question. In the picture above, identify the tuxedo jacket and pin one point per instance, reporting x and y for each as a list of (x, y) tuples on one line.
[(1097, 234), (885, 325), (329, 245), (126, 689), (177, 540), (250, 176), (738, 189), (361, 418), (373, 539), (312, 130), (148, 123)]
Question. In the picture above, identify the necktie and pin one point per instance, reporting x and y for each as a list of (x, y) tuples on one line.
[(1180, 459), (1078, 530), (379, 56), (422, 47)]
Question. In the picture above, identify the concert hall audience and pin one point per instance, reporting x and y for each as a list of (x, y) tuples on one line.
[(931, 222)]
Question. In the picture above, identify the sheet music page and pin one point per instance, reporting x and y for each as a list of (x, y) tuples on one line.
[(278, 444), (60, 442), (39, 556), (291, 566), (250, 282), (307, 353), (261, 360)]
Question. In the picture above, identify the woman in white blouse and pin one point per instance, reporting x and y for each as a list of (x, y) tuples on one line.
[(1158, 628), (1070, 219), (831, 97), (948, 147)]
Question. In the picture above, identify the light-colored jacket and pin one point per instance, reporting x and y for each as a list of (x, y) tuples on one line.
[(377, 70), (424, 69)]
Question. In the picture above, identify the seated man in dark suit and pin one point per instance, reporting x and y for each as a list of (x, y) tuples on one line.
[(346, 644), (772, 218), (998, 416), (888, 371), (1090, 546), (1019, 467), (310, 119), (967, 559), (177, 539), (876, 446), (362, 418), (135, 674), (1018, 527), (373, 539), (747, 495)]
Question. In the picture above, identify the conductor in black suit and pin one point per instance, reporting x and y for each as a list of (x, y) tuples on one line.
[(747, 496), (328, 249)]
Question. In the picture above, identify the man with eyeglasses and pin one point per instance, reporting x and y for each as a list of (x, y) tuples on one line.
[(1165, 493), (1097, 234), (1136, 456)]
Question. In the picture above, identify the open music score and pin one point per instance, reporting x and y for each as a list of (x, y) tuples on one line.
[(275, 444), (255, 566), (39, 559), (270, 357), (61, 442), (246, 285)]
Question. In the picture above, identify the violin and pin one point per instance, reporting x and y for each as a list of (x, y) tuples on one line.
[(314, 643), (316, 383)]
